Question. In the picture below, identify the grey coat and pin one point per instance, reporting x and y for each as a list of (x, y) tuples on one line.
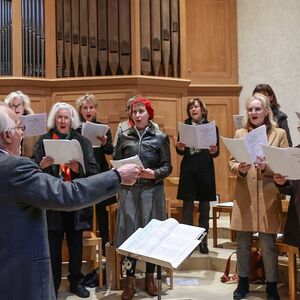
[(25, 194)]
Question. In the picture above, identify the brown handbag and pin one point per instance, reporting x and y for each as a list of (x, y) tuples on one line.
[(256, 269)]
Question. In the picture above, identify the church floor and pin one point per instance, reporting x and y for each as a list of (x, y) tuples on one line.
[(198, 278)]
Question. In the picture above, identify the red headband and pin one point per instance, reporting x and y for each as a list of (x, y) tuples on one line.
[(147, 104)]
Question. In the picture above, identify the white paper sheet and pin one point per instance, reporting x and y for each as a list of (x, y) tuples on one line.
[(199, 137), (62, 151), (130, 160), (93, 130), (284, 161), (247, 149), (238, 121), (34, 124)]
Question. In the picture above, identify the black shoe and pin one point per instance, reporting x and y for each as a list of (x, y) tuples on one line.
[(272, 292), (242, 289), (203, 248), (79, 290)]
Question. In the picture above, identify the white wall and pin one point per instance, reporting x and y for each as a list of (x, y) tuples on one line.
[(269, 52)]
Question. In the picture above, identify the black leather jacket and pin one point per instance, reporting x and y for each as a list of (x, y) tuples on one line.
[(153, 149)]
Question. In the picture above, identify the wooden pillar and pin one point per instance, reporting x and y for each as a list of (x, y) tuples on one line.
[(50, 39), (135, 38), (17, 38), (182, 35)]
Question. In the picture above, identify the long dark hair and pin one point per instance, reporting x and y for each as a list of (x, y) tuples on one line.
[(267, 90)]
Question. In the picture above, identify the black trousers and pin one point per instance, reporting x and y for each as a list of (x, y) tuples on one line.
[(203, 208), (102, 220), (74, 242)]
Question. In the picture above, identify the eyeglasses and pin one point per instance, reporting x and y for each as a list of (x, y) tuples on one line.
[(60, 118), (15, 106), (21, 127)]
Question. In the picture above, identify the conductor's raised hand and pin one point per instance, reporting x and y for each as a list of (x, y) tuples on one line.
[(129, 173)]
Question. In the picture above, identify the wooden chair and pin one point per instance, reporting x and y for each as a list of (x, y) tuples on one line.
[(92, 250)]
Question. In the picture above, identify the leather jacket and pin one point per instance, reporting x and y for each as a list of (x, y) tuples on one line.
[(152, 147)]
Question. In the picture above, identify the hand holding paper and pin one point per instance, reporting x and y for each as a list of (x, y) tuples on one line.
[(64, 151), (94, 132)]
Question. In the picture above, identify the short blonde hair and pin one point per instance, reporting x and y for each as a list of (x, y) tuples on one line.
[(82, 99), (60, 106), (25, 99)]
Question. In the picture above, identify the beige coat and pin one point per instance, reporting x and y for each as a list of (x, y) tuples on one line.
[(256, 206)]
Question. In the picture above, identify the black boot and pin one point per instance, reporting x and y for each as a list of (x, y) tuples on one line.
[(272, 292), (203, 246), (242, 289)]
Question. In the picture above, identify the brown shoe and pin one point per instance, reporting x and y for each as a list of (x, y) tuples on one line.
[(150, 286), (129, 290)]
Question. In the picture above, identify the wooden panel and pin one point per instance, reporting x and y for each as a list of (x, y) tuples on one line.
[(211, 41)]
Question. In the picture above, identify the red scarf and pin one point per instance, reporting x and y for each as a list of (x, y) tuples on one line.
[(63, 169)]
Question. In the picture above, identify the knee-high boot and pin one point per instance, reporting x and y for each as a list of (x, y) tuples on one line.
[(150, 286), (129, 290)]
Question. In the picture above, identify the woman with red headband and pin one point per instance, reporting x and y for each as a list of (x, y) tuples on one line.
[(145, 200)]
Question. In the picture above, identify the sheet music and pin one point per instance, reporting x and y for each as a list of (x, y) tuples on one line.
[(163, 242), (254, 139), (238, 149), (35, 124), (238, 121), (93, 130), (130, 160), (247, 149), (284, 161), (199, 137), (62, 151)]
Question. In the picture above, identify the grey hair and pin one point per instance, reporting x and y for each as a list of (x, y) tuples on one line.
[(19, 94), (60, 106), (6, 123)]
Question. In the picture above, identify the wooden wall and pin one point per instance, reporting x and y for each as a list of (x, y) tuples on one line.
[(208, 68)]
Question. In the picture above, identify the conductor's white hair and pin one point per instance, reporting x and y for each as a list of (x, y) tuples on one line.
[(6, 124), (63, 106)]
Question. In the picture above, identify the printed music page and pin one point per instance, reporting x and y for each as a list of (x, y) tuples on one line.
[(62, 151), (92, 131), (284, 161), (130, 160), (238, 121), (34, 124), (199, 137), (247, 149), (166, 243)]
